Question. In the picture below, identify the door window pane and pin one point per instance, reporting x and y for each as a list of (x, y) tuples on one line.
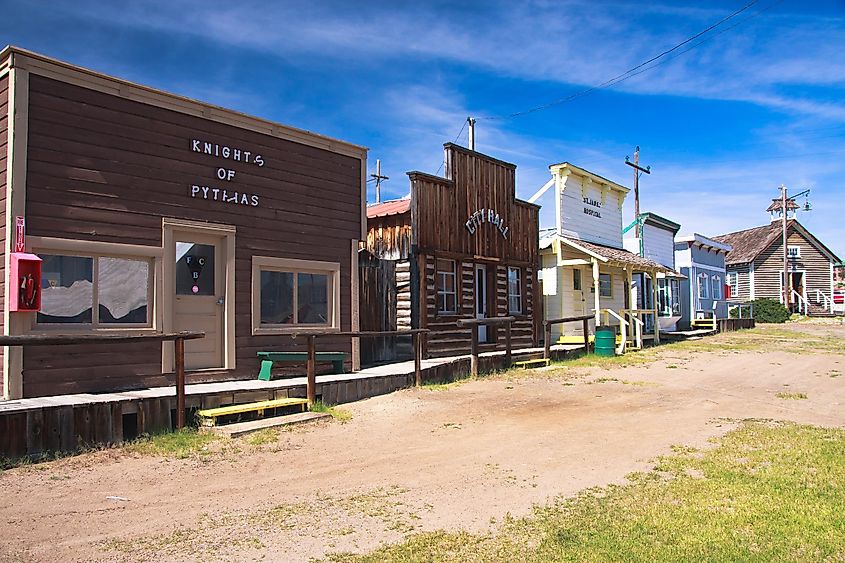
[(276, 298), (312, 298), (67, 289), (123, 290), (194, 269)]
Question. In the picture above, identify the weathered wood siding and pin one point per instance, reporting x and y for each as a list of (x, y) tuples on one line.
[(447, 339), (105, 168), (4, 150), (389, 237), (769, 265), (440, 209)]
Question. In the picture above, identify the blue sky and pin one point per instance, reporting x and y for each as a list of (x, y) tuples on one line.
[(722, 125)]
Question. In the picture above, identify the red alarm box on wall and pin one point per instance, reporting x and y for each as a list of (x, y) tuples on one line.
[(24, 281)]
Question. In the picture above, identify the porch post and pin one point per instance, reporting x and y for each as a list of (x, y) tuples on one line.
[(596, 300), (654, 306)]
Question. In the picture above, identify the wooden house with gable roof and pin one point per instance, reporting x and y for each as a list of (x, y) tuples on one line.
[(755, 266), (586, 269)]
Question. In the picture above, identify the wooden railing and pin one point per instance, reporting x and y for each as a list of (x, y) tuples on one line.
[(179, 339), (623, 327), (638, 324), (547, 332), (417, 334), (495, 321)]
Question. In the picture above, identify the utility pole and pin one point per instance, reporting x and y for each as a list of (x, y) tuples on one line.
[(471, 121), (784, 204), (637, 171), (378, 178), (787, 286)]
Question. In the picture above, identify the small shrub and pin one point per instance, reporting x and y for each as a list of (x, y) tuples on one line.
[(769, 311)]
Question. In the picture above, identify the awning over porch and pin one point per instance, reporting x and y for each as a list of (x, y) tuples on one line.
[(613, 257)]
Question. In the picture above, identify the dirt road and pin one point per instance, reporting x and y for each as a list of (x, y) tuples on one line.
[(461, 457)]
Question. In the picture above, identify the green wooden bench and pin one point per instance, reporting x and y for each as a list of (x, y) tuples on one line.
[(267, 359), (208, 417)]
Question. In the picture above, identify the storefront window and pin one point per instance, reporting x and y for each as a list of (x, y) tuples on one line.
[(289, 293), (514, 291), (68, 295), (294, 298), (447, 300), (668, 293)]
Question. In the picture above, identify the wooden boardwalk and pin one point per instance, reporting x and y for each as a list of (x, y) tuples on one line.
[(402, 374)]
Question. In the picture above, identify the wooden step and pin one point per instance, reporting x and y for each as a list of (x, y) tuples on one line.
[(527, 364), (208, 417), (242, 428)]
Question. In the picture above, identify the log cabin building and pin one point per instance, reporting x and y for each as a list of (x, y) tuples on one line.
[(152, 212), (459, 247)]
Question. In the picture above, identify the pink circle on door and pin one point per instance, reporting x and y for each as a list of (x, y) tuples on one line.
[(195, 289)]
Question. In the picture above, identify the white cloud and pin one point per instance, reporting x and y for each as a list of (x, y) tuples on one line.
[(578, 42)]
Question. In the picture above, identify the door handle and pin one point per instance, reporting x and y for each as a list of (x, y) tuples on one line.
[(221, 300)]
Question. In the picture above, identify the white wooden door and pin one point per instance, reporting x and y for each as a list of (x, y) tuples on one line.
[(200, 272)]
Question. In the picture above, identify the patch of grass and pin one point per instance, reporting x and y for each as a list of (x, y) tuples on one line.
[(672, 366), (337, 413), (768, 492), (180, 444), (263, 436), (791, 396), (435, 386)]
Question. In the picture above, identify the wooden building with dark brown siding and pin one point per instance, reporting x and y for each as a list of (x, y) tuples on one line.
[(467, 248), (152, 212)]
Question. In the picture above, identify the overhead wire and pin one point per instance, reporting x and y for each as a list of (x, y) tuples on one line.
[(638, 69)]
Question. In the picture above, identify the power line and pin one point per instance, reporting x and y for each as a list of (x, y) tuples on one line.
[(455, 141), (634, 71)]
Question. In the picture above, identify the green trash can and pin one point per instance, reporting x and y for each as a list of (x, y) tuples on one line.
[(605, 341)]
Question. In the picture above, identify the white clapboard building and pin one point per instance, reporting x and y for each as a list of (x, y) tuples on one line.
[(585, 268)]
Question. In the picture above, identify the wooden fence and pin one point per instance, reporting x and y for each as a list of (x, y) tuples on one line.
[(547, 332), (179, 339)]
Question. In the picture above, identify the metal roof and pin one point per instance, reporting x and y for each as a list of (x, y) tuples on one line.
[(385, 208)]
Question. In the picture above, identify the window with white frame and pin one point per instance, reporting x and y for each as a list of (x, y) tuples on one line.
[(717, 287), (88, 289), (447, 296), (793, 251), (605, 285), (293, 293), (703, 283), (514, 291), (732, 279)]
